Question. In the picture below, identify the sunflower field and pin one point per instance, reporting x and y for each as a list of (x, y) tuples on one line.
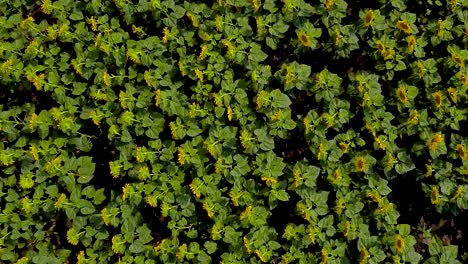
[(233, 131)]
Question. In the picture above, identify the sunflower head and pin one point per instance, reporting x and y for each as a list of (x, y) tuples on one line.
[(399, 244), (438, 99), (369, 18), (461, 151), (304, 39), (404, 26), (381, 47), (435, 199), (411, 43), (452, 92), (401, 93), (360, 164)]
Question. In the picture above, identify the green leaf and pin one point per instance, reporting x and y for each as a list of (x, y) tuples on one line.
[(76, 15), (280, 99), (282, 195), (256, 54), (86, 169), (210, 247)]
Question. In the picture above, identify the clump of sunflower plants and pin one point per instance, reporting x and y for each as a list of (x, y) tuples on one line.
[(246, 131)]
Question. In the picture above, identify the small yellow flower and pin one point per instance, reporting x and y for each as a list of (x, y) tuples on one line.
[(429, 170), (97, 41), (125, 191), (23, 260), (157, 97), (375, 197), (404, 26), (152, 201), (33, 121), (218, 165), (181, 156), (106, 78), (304, 38), (203, 52), (413, 117), (6, 66), (34, 153), (143, 173), (435, 197), (181, 252), (311, 235), (93, 23), (270, 180), (195, 190), (260, 25), (457, 193), (324, 256), (399, 244), (338, 37), (229, 113), (297, 178), (73, 237), (193, 19), (347, 228), (105, 216), (247, 245), (453, 4), (234, 198), (58, 204), (26, 22), (255, 5), (328, 4), (440, 27), (306, 125), (208, 209), (166, 35), (438, 98), (46, 7), (363, 256), (461, 151), (199, 74), (369, 18), (421, 70), (246, 212), (173, 128)]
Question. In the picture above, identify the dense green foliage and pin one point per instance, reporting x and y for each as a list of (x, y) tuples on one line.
[(233, 131)]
